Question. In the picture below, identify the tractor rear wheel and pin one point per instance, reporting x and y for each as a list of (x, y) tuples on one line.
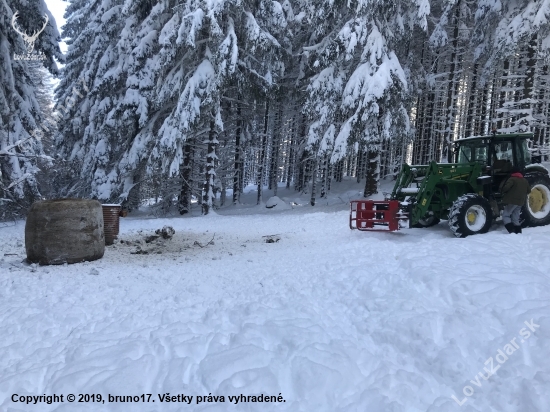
[(470, 214), (536, 211)]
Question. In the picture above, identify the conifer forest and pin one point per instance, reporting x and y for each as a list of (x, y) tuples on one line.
[(186, 103)]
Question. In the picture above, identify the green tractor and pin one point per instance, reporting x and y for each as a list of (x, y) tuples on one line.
[(465, 191)]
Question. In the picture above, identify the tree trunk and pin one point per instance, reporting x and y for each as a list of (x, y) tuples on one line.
[(287, 173), (305, 172), (210, 174), (291, 161), (184, 201), (349, 165), (223, 193), (299, 166), (371, 183), (263, 151), (472, 106), (527, 106), (275, 151), (480, 123), (340, 170), (430, 139), (326, 171), (314, 180), (542, 110), (452, 85), (359, 167), (502, 99), (237, 176), (330, 170), (420, 123)]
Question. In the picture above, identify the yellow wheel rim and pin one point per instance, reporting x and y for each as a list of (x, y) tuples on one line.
[(537, 200), (471, 218)]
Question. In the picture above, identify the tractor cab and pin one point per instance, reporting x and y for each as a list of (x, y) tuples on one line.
[(497, 154)]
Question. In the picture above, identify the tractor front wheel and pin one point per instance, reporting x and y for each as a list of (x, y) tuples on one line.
[(428, 221), (536, 211), (469, 215)]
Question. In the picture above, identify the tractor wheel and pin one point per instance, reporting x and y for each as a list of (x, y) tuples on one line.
[(536, 211), (469, 215), (428, 221)]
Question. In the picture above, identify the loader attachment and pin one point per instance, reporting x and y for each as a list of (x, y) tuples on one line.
[(376, 215)]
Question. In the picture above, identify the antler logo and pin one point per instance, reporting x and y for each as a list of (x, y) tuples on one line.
[(29, 40)]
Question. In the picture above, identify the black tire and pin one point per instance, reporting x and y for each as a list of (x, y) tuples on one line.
[(470, 206), (536, 211), (429, 221)]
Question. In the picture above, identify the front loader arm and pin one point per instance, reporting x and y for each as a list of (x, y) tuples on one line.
[(425, 193), (404, 179)]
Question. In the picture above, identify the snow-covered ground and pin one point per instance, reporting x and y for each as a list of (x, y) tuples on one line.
[(330, 319)]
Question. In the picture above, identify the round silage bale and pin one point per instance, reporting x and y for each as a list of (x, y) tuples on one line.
[(64, 231)]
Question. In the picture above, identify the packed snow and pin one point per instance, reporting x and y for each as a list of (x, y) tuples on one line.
[(327, 318)]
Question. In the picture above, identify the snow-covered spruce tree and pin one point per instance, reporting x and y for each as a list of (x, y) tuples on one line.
[(157, 77), (481, 65), (211, 38), (514, 36), (450, 70), (91, 96), (502, 25), (517, 99), (290, 142), (361, 79), (48, 165), (21, 126)]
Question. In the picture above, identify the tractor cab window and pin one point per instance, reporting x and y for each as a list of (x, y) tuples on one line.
[(469, 153), (504, 151), (465, 154), (524, 153), (481, 154), (503, 157)]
